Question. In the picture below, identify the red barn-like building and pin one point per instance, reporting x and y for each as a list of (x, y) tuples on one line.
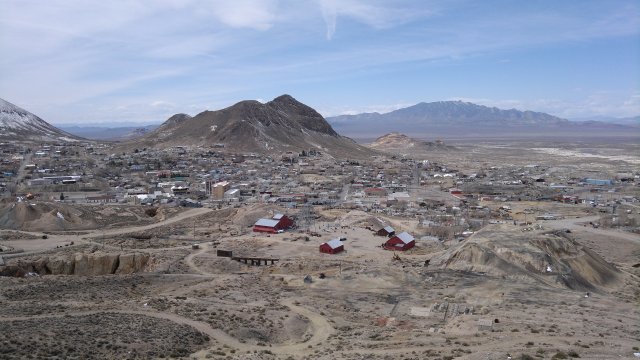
[(386, 231), (277, 224), (401, 242), (285, 221), (332, 247)]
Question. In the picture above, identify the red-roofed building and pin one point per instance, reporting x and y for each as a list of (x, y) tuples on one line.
[(285, 221), (401, 242), (278, 223), (332, 247)]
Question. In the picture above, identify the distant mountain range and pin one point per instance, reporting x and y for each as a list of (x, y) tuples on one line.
[(283, 124), (463, 119), (108, 133), (286, 124), (19, 124), (632, 121)]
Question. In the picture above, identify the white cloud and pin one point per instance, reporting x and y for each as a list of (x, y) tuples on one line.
[(378, 14), (329, 13), (63, 59), (254, 14), (353, 110)]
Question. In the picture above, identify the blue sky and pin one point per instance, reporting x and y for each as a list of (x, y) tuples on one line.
[(134, 61)]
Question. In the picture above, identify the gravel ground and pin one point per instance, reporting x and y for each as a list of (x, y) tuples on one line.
[(98, 336)]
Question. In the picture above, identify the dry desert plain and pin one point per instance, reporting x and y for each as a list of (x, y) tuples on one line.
[(138, 286)]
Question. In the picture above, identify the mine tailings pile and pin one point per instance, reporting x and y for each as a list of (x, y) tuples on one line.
[(553, 258), (42, 216), (81, 264)]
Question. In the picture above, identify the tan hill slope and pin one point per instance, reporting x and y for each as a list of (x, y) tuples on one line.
[(553, 258), (396, 141)]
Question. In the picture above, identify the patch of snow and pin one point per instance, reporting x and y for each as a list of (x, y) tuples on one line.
[(14, 120), (64, 138)]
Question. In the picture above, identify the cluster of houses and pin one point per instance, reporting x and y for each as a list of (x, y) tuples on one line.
[(42, 164), (395, 242), (89, 172), (279, 223)]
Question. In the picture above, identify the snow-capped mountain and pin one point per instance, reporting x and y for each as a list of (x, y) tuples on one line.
[(18, 124)]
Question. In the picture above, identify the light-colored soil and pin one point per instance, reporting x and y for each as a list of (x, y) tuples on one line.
[(191, 303)]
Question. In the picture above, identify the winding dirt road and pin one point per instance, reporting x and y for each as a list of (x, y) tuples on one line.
[(189, 260), (320, 328), (54, 240)]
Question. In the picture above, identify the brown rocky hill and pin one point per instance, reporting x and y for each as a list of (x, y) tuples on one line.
[(283, 124)]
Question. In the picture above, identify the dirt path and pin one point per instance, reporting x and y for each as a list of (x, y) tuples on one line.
[(180, 217), (578, 224), (189, 260), (54, 240), (320, 328)]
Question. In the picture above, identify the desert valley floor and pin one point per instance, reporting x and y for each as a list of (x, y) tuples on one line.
[(140, 284)]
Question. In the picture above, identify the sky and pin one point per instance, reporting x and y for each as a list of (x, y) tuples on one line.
[(140, 61)]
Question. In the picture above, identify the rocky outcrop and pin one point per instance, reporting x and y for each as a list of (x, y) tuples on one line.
[(81, 264), (61, 265), (96, 264), (131, 263)]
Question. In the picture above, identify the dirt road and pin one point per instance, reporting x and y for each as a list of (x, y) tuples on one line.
[(189, 260), (579, 224), (180, 217), (38, 246), (320, 328)]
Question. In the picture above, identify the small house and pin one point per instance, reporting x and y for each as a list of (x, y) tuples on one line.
[(401, 242), (285, 221), (386, 231), (266, 225), (332, 247), (276, 224)]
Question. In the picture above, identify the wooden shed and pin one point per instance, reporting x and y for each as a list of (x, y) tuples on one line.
[(401, 242), (278, 223), (386, 231), (332, 247), (266, 225), (285, 222)]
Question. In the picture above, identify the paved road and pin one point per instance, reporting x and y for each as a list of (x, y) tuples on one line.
[(21, 172), (345, 192)]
